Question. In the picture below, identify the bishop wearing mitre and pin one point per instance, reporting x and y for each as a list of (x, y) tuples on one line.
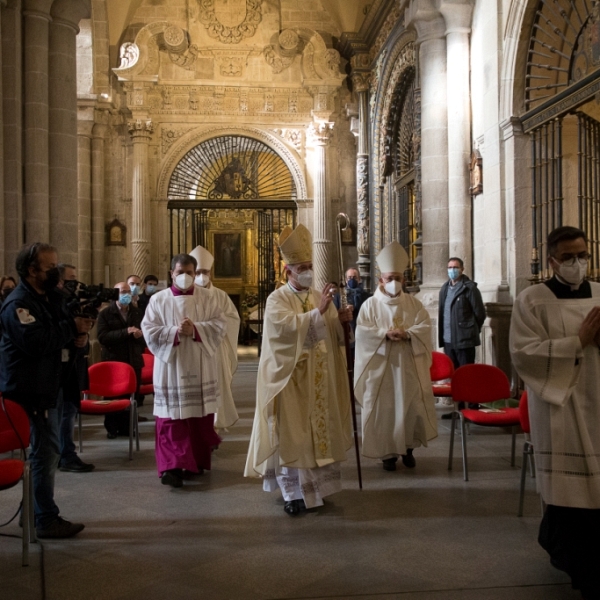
[(227, 361), (391, 372), (302, 426)]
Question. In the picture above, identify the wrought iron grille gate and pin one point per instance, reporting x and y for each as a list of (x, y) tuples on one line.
[(266, 268), (548, 202)]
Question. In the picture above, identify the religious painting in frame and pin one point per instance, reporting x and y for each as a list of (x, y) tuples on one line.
[(227, 250)]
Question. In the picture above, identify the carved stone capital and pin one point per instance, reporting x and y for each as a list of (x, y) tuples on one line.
[(457, 14), (70, 12), (140, 128), (427, 20), (361, 80), (319, 133)]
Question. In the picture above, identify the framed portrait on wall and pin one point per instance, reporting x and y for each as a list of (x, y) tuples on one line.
[(227, 250)]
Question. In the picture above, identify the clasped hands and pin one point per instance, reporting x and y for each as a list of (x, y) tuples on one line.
[(397, 335), (186, 328), (590, 328), (135, 332)]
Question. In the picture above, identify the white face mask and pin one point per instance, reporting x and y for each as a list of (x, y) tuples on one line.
[(184, 281), (305, 278), (202, 280), (393, 288), (575, 273)]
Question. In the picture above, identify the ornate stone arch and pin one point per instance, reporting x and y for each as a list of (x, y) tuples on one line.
[(390, 68), (195, 137)]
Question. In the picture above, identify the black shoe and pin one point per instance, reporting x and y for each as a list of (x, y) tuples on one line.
[(76, 465), (142, 419), (446, 416), (408, 460), (112, 435), (294, 507), (389, 464), (60, 528), (172, 478)]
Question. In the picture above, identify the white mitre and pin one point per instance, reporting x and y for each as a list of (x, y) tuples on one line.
[(392, 259), (295, 245), (203, 257)]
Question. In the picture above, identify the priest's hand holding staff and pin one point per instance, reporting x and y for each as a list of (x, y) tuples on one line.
[(327, 297)]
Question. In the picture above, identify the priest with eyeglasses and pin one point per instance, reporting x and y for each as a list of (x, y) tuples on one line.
[(555, 347)]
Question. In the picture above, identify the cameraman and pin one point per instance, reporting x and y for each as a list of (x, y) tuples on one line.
[(75, 379), (35, 328)]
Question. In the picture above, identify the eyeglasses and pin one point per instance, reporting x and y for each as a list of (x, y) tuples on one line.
[(569, 260)]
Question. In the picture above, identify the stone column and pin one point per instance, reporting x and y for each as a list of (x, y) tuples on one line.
[(360, 81), (319, 134), (141, 129), (457, 14), (12, 109), (63, 141), (36, 20), (84, 200), (431, 28), (98, 234)]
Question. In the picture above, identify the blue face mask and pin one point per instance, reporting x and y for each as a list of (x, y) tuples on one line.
[(150, 289), (124, 299), (135, 289), (454, 273), (352, 284)]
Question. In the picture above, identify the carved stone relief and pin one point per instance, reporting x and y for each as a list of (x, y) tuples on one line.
[(230, 21), (293, 136)]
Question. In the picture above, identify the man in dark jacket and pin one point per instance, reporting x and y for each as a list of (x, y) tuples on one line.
[(35, 328), (461, 316), (120, 335)]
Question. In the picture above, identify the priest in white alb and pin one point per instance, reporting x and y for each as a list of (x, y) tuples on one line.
[(183, 328), (302, 426), (555, 347), (227, 360), (391, 370)]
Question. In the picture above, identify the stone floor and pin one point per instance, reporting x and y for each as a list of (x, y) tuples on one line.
[(421, 534)]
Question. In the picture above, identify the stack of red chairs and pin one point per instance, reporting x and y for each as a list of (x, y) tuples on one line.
[(442, 368)]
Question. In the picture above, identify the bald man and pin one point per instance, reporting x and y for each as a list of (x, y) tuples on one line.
[(120, 335)]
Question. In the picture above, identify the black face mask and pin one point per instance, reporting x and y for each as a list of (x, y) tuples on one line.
[(52, 279), (6, 292)]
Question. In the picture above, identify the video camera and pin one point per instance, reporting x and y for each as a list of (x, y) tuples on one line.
[(84, 300)]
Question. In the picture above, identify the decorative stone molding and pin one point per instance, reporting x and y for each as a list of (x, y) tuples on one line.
[(395, 18), (241, 17), (362, 188), (169, 136), (232, 64), (288, 104), (196, 136), (292, 136)]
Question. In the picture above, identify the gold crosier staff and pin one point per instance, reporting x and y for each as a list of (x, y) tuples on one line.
[(342, 221)]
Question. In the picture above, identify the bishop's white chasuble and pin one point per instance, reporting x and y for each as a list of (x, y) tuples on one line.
[(392, 382)]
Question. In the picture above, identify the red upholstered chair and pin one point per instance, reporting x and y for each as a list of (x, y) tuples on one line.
[(14, 435), (481, 384), (441, 368), (146, 385), (113, 381), (527, 449)]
